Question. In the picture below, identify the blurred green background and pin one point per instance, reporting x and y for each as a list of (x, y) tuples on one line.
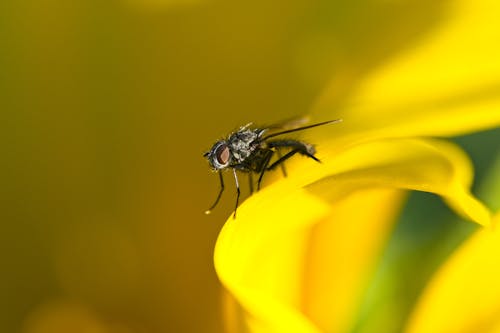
[(107, 108)]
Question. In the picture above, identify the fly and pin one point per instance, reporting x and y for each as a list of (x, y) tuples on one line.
[(250, 150)]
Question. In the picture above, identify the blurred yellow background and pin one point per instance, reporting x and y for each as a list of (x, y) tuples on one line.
[(107, 108)]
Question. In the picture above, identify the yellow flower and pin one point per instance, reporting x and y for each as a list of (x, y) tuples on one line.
[(300, 252)]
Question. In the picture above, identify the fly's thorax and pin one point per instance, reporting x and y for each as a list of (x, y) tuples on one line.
[(243, 143)]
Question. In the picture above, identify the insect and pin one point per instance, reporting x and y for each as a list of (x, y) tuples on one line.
[(250, 150)]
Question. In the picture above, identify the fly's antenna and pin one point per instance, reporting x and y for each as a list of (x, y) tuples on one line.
[(302, 128)]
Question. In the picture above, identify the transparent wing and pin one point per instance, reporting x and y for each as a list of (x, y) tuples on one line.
[(287, 124), (294, 126)]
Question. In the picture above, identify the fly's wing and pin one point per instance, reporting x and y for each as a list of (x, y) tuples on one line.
[(285, 125), (293, 125), (288, 124)]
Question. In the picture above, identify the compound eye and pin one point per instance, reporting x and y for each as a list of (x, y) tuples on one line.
[(222, 155)]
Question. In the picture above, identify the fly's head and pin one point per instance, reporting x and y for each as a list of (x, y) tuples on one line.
[(219, 156)]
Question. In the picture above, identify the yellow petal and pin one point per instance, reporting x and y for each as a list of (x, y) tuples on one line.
[(279, 269), (464, 296), (261, 256), (343, 252), (425, 165), (446, 84)]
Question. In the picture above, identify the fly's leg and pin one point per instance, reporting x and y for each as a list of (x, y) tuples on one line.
[(264, 165), (282, 159), (283, 169), (250, 182), (208, 211), (296, 146), (237, 192)]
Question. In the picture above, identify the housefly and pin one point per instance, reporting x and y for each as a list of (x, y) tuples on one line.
[(251, 150)]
